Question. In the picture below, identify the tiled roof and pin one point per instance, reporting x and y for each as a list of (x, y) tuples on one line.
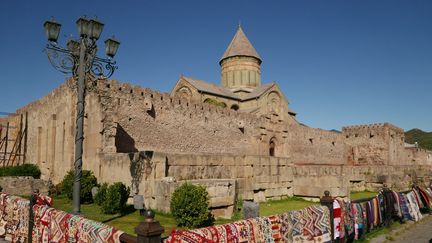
[(221, 91), (210, 88), (258, 91), (240, 46)]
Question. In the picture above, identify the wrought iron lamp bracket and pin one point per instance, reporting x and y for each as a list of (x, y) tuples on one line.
[(62, 59), (66, 62)]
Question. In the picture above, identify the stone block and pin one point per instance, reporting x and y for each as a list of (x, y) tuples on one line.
[(248, 171), (337, 185), (223, 212), (250, 209), (23, 185), (259, 196), (160, 170), (276, 192), (221, 201)]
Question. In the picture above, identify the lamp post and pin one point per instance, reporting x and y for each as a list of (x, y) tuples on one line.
[(80, 60)]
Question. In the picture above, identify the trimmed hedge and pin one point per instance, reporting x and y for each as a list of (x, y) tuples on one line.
[(21, 170)]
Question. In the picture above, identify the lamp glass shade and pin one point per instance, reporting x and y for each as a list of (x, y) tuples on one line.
[(96, 28), (74, 47), (52, 30), (111, 46), (83, 27)]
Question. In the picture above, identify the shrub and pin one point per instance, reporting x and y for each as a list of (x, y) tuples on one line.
[(238, 209), (21, 170), (101, 194), (116, 196), (215, 102), (190, 206), (88, 181)]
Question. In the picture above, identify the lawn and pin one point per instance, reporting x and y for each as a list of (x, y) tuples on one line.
[(280, 206), (363, 194), (130, 220)]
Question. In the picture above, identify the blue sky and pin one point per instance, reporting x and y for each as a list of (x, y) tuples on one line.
[(338, 62)]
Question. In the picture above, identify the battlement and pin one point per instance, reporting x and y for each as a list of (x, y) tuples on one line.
[(161, 99), (59, 91), (375, 126), (134, 93), (314, 133)]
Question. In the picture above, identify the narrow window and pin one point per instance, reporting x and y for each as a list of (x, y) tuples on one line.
[(272, 147)]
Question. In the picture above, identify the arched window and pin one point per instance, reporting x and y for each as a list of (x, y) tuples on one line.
[(272, 147), (184, 92), (234, 107), (273, 102)]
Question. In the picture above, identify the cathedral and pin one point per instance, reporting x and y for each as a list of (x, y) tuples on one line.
[(241, 87)]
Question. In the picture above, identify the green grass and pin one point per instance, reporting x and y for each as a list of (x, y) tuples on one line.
[(381, 231), (363, 194), (130, 220), (126, 222), (280, 206)]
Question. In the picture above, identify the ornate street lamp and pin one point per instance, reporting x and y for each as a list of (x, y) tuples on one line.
[(80, 60), (52, 30), (111, 46)]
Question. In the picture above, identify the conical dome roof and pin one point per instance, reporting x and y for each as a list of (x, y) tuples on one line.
[(240, 46)]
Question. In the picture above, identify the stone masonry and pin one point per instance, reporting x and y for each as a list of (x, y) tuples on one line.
[(250, 148)]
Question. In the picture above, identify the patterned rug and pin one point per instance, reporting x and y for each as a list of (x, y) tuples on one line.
[(14, 214), (52, 225), (316, 224), (311, 224)]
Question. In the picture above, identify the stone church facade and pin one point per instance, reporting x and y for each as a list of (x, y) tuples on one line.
[(241, 87), (240, 139)]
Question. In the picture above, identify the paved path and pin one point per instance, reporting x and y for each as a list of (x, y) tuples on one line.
[(418, 233)]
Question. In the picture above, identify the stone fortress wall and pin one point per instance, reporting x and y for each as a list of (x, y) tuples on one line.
[(194, 127), (381, 144), (51, 132), (226, 150)]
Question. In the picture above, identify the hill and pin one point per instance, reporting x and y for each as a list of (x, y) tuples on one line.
[(424, 139)]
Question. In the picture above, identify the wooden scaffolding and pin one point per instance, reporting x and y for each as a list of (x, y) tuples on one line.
[(13, 139)]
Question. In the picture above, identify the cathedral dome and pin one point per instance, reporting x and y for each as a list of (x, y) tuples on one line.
[(240, 46), (240, 64)]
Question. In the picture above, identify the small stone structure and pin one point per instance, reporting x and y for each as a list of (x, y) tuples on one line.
[(23, 185), (250, 210)]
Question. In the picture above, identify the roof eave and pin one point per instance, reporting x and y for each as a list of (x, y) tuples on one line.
[(220, 95), (224, 58)]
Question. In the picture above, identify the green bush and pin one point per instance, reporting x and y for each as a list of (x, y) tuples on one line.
[(190, 206), (238, 209), (101, 194), (88, 181), (21, 170), (114, 198), (215, 102)]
